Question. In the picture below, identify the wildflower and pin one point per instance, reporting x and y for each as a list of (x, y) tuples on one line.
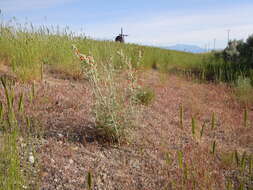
[(77, 52), (82, 57), (91, 59)]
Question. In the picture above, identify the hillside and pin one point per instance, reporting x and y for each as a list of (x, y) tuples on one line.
[(69, 147), (83, 114)]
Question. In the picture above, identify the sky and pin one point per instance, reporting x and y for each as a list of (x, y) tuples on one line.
[(156, 22)]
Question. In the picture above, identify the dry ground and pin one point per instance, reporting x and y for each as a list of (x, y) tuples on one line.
[(70, 147)]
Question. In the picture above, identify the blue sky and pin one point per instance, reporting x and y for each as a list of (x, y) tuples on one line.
[(159, 22)]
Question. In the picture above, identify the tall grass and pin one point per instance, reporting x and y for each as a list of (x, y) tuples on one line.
[(244, 90), (10, 176), (26, 48), (214, 68), (30, 50), (14, 169)]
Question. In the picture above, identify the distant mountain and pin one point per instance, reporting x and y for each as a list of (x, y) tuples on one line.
[(186, 48)]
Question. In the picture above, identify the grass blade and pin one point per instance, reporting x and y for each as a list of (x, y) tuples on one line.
[(237, 159), (250, 164), (245, 117), (180, 159), (20, 103), (193, 126), (213, 121), (1, 111), (213, 147), (89, 181), (202, 130), (181, 115)]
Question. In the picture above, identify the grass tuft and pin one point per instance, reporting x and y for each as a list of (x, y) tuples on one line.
[(144, 96)]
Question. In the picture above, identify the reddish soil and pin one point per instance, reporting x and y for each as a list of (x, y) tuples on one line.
[(70, 147)]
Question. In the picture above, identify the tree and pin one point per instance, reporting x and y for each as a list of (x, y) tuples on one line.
[(239, 52)]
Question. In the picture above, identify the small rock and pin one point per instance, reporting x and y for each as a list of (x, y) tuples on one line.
[(31, 158), (71, 161), (135, 164)]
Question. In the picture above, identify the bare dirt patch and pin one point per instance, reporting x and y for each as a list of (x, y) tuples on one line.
[(71, 148)]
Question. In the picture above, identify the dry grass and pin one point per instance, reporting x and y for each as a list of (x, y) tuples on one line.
[(166, 151), (71, 146), (244, 91)]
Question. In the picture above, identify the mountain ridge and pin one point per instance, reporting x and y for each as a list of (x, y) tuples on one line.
[(185, 48)]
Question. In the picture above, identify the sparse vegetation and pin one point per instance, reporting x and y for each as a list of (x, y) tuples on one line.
[(244, 90), (29, 50), (113, 108), (230, 65), (106, 74), (15, 172)]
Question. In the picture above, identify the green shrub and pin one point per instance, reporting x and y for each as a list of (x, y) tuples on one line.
[(144, 96)]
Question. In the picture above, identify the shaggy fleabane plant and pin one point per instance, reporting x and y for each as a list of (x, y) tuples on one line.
[(113, 90)]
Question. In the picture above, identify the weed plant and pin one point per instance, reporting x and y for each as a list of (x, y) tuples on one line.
[(144, 96), (114, 107)]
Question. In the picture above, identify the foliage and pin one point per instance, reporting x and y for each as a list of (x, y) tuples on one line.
[(113, 109), (26, 48), (14, 126), (144, 96)]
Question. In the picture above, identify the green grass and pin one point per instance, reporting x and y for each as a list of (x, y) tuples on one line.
[(244, 90), (15, 171), (26, 48), (10, 176)]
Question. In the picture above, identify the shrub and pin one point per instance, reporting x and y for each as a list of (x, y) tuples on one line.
[(144, 96), (113, 108)]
